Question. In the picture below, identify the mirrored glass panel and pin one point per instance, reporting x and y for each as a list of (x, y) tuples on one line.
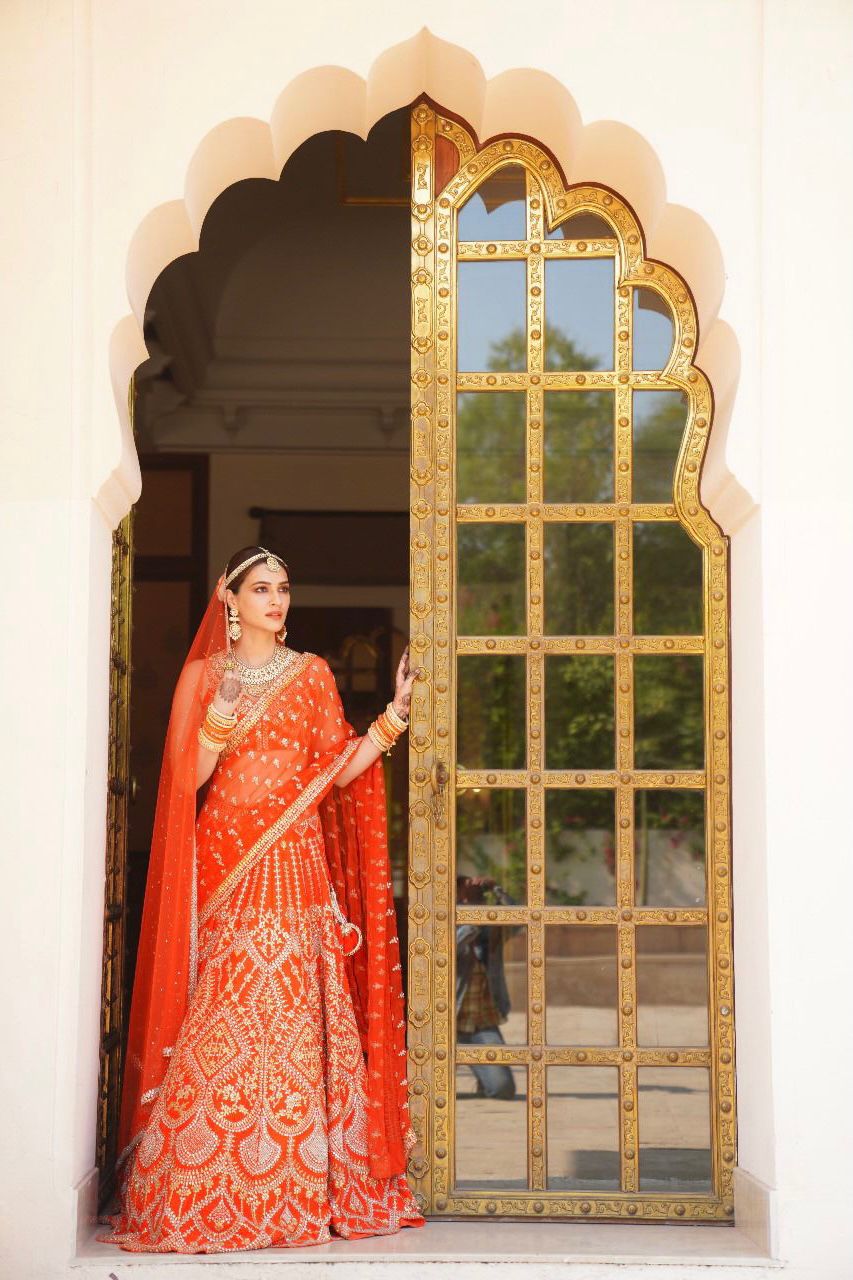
[(583, 226), (579, 712), (672, 985), (669, 848), (667, 580), (659, 421), (580, 848), (578, 446), (578, 579), (491, 973), (674, 1121), (668, 711), (580, 984), (579, 313), (496, 210), (583, 1128), (491, 327), (654, 331), (490, 595), (491, 702), (490, 1128), (490, 446), (491, 841)]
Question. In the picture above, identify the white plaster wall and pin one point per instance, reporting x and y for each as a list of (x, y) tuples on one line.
[(748, 108)]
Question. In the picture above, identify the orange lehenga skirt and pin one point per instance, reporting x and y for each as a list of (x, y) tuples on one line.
[(259, 1133)]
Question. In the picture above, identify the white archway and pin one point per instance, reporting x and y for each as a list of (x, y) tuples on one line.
[(523, 101), (519, 101)]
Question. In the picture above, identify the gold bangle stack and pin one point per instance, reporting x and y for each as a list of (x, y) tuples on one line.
[(386, 728), (214, 732)]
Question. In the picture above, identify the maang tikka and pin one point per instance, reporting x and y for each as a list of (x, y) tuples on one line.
[(233, 630)]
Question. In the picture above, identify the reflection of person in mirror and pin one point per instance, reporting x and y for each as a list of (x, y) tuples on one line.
[(482, 998)]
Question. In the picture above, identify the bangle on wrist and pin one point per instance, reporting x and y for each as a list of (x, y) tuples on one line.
[(215, 729), (208, 743), (386, 729), (378, 739), (399, 722)]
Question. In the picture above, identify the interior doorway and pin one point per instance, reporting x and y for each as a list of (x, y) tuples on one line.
[(565, 804), (273, 409)]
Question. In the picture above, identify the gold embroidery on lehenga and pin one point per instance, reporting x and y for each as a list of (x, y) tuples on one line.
[(278, 828), (258, 1132)]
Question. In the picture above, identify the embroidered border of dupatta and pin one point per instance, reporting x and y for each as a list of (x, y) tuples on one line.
[(278, 828)]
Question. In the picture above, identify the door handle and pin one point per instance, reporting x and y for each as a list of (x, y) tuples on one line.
[(439, 775)]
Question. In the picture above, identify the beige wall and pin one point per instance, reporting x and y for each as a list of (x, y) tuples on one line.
[(239, 481), (741, 113)]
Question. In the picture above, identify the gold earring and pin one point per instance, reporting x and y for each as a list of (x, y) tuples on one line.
[(280, 635), (234, 629)]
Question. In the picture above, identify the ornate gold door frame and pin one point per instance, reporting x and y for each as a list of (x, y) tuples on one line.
[(435, 778), (118, 794)]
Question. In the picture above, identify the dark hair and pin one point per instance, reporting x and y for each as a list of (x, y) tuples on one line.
[(238, 557)]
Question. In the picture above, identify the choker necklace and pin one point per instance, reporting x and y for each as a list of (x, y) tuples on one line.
[(252, 677)]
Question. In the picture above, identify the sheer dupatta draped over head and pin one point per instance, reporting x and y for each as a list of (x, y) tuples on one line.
[(354, 823)]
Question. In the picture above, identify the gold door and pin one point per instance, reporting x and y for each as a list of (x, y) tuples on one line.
[(570, 820), (115, 889)]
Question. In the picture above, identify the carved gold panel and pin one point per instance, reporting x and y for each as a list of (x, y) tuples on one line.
[(118, 793), (637, 1068)]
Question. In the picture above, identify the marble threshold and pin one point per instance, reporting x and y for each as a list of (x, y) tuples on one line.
[(539, 1245)]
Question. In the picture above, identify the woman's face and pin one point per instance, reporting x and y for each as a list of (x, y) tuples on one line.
[(263, 599)]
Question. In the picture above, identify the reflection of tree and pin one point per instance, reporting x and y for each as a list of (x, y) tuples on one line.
[(490, 584), (579, 712), (579, 690), (669, 843), (579, 835), (491, 697), (490, 446), (669, 721), (490, 836), (667, 580), (578, 579), (577, 440), (657, 439)]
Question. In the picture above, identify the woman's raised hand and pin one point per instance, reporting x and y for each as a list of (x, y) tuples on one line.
[(404, 680), (228, 693)]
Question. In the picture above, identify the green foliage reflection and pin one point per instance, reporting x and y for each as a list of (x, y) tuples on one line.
[(491, 697), (668, 711), (659, 421), (579, 712), (579, 579), (580, 847), (490, 580), (490, 838), (667, 580)]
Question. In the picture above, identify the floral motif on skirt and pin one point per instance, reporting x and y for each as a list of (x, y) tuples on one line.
[(259, 1135)]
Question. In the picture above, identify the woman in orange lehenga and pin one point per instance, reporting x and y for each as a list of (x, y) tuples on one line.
[(264, 1096)]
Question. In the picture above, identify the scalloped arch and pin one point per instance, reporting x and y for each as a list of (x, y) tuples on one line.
[(520, 101)]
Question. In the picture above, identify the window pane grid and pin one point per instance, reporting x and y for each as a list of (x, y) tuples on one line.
[(536, 1055), (625, 779)]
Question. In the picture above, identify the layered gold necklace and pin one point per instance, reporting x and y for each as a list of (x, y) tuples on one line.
[(254, 678)]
